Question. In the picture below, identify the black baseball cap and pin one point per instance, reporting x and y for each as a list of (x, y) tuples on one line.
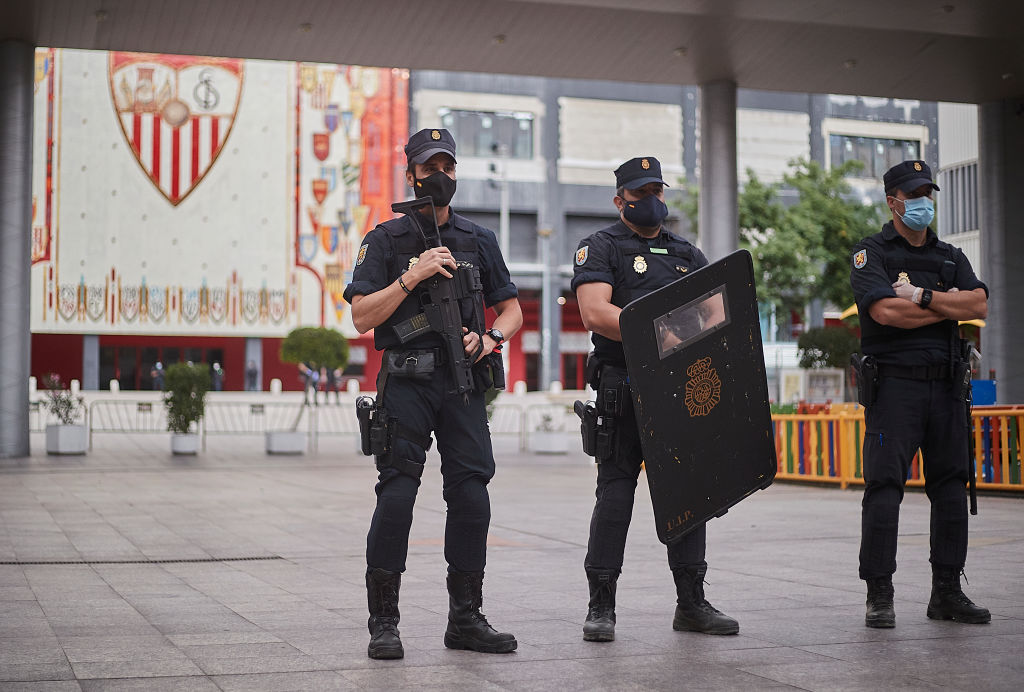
[(908, 176), (426, 143), (637, 172)]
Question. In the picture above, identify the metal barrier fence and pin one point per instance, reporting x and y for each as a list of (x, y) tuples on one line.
[(257, 418), (827, 448)]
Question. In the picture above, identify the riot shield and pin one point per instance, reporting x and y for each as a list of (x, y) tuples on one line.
[(696, 371)]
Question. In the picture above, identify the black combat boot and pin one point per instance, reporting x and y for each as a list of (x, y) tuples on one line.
[(693, 612), (382, 598), (600, 624), (880, 612), (467, 626), (948, 601)]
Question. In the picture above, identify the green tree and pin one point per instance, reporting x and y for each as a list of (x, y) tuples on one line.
[(827, 347), (318, 346), (185, 388)]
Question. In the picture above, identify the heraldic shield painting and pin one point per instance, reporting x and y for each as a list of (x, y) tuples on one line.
[(176, 113), (700, 394)]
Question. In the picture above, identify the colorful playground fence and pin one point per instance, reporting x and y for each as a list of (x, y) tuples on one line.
[(827, 448)]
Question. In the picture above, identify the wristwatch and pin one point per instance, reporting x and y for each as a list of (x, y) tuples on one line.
[(926, 297), (496, 335)]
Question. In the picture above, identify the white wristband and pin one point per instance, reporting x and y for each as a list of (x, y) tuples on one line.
[(917, 296)]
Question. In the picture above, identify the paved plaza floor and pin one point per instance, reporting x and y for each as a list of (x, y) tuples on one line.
[(132, 569)]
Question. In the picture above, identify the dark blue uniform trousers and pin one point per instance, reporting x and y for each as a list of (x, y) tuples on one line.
[(907, 415), (616, 489), (467, 465)]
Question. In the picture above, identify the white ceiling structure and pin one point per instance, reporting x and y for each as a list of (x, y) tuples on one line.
[(950, 50)]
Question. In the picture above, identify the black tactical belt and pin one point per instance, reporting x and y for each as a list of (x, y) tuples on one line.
[(916, 372)]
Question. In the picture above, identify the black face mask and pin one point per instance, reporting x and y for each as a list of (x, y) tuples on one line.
[(438, 187), (648, 212)]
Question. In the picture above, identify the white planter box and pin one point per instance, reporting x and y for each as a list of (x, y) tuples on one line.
[(187, 443), (549, 442), (66, 439), (286, 442)]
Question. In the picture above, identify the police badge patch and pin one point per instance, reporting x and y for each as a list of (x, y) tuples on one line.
[(860, 259), (581, 255), (362, 254)]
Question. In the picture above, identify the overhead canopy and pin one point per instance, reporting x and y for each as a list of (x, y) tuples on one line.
[(951, 50)]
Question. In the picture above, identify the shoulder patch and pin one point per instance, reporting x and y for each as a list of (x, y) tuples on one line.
[(581, 255), (860, 259), (362, 254)]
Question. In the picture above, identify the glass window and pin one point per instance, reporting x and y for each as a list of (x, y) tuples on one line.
[(682, 326), (480, 133), (878, 155)]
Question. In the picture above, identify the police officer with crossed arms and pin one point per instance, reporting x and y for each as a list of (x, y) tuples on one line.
[(613, 267), (911, 289), (387, 292)]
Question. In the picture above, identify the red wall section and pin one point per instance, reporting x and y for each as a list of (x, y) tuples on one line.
[(59, 353)]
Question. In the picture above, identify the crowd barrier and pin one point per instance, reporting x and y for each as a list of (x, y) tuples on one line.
[(828, 448)]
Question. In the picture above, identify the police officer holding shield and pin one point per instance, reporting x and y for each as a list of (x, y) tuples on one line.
[(388, 293), (911, 289), (613, 267)]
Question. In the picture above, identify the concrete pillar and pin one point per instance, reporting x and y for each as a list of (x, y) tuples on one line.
[(551, 239), (91, 362), (1000, 179), (17, 72), (719, 213)]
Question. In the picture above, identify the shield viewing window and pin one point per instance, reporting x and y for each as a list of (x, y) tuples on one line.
[(689, 323)]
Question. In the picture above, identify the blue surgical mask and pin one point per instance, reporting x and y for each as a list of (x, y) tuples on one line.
[(648, 212), (917, 213)]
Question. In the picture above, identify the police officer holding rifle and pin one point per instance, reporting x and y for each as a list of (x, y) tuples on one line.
[(421, 282)]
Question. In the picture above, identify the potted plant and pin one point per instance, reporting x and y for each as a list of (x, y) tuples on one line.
[(548, 435), (65, 436), (185, 388), (310, 348)]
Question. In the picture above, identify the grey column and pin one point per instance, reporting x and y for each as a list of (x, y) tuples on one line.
[(719, 214), (551, 237), (1000, 179), (91, 362), (17, 70)]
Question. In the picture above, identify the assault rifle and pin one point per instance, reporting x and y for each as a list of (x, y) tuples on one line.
[(440, 302)]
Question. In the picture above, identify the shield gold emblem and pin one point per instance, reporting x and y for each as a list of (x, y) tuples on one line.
[(321, 145), (320, 189), (176, 113)]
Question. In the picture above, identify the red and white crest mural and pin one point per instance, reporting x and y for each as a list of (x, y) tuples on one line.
[(176, 112)]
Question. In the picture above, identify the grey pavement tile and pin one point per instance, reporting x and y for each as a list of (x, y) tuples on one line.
[(149, 684), (247, 650), (95, 649), (137, 668), (317, 681), (16, 593), (429, 677), (31, 650), (206, 638), (215, 665), (28, 672), (42, 686), (840, 676)]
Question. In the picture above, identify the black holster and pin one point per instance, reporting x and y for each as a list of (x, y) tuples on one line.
[(588, 425), (374, 431), (866, 369), (597, 418), (489, 372)]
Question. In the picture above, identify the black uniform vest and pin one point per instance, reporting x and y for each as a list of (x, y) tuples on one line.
[(639, 270), (406, 244), (932, 266)]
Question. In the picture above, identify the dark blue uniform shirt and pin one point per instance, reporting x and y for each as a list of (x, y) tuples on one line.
[(877, 263), (386, 254), (633, 266)]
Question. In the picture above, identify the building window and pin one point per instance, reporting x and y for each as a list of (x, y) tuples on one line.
[(958, 200), (878, 155), (480, 133)]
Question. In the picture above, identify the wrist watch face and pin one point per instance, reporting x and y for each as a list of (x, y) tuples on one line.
[(495, 334)]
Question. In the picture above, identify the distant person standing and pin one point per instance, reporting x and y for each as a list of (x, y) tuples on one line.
[(332, 378), (217, 377), (157, 373), (252, 374)]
